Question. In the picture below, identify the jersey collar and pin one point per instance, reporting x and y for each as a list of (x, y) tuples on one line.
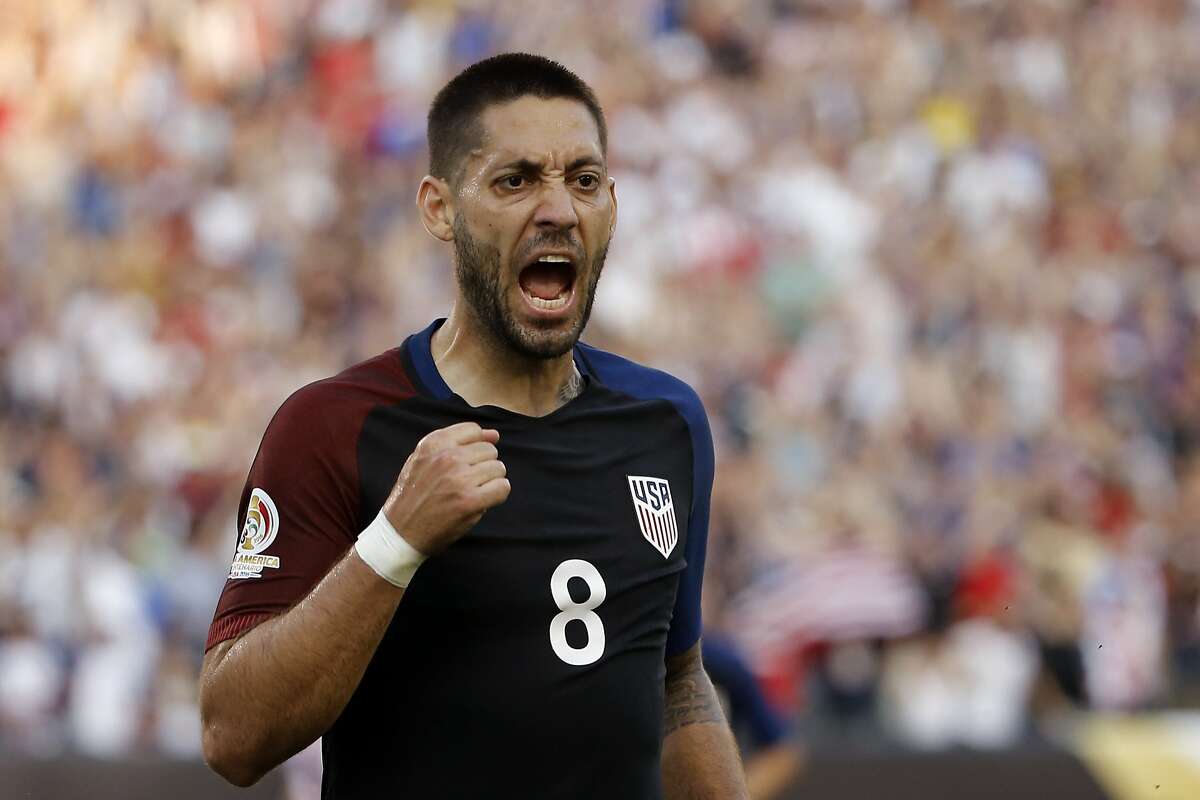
[(420, 352)]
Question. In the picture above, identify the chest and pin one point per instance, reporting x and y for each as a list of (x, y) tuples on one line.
[(609, 483)]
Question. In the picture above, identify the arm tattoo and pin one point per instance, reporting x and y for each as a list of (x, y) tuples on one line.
[(690, 694)]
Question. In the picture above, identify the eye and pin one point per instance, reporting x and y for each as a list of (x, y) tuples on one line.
[(513, 181), (587, 181)]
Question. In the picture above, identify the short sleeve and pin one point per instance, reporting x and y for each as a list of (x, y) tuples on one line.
[(685, 622), (643, 382), (298, 512)]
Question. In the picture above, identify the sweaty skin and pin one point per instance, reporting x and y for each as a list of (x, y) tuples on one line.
[(551, 150), (471, 185)]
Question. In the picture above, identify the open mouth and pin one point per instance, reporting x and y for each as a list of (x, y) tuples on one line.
[(547, 282)]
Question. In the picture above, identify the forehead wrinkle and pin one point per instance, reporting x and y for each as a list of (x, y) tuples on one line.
[(517, 127), (549, 162)]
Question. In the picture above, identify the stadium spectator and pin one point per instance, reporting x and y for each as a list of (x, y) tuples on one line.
[(947, 254)]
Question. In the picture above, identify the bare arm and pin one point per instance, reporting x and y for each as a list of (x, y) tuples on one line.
[(699, 759), (271, 693), (770, 772), (280, 686)]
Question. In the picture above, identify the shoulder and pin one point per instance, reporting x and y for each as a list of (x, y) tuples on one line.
[(376, 381), (645, 383), (338, 404)]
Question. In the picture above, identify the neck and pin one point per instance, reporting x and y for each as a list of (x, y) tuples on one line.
[(484, 371)]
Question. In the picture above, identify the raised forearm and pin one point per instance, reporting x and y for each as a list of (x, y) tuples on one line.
[(284, 683), (699, 759), (275, 690)]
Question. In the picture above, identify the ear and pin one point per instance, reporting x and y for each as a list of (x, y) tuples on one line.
[(612, 193), (435, 205)]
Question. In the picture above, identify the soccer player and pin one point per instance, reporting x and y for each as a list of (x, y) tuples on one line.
[(472, 563)]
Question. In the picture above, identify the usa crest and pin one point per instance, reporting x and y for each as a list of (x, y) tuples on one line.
[(655, 512), (259, 530)]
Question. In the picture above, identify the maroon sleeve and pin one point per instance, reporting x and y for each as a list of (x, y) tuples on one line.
[(299, 511)]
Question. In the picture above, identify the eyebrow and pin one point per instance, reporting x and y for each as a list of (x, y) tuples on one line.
[(529, 165)]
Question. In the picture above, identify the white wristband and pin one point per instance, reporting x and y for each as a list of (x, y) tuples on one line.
[(385, 551)]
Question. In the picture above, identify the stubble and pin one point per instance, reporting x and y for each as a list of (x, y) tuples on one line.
[(477, 269)]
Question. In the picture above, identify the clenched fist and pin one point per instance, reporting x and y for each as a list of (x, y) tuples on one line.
[(448, 481)]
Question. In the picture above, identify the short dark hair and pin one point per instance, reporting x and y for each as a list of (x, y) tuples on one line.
[(453, 126)]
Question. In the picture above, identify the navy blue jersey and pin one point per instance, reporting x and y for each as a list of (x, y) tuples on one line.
[(529, 655)]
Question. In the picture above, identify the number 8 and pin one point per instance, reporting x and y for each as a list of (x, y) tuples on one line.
[(585, 612)]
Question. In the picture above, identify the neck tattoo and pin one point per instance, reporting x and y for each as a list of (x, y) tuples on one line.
[(571, 389)]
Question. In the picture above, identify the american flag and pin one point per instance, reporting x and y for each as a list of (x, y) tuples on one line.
[(846, 593)]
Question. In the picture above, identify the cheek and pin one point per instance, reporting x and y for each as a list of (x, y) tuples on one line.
[(598, 226), (490, 236)]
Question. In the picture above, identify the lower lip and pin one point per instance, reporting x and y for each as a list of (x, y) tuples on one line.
[(549, 314)]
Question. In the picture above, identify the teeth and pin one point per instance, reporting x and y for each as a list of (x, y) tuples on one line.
[(548, 305), (555, 259)]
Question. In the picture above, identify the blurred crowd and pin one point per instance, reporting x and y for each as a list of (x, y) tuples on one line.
[(934, 266)]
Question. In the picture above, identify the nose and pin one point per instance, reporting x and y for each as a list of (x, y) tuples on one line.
[(556, 210)]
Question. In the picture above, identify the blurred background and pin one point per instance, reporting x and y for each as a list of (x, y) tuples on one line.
[(933, 265)]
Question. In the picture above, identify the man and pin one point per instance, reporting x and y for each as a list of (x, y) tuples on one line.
[(472, 564)]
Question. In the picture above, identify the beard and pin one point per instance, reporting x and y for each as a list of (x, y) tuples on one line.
[(477, 268)]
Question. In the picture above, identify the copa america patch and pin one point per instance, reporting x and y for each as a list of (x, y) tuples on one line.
[(258, 531), (655, 512)]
